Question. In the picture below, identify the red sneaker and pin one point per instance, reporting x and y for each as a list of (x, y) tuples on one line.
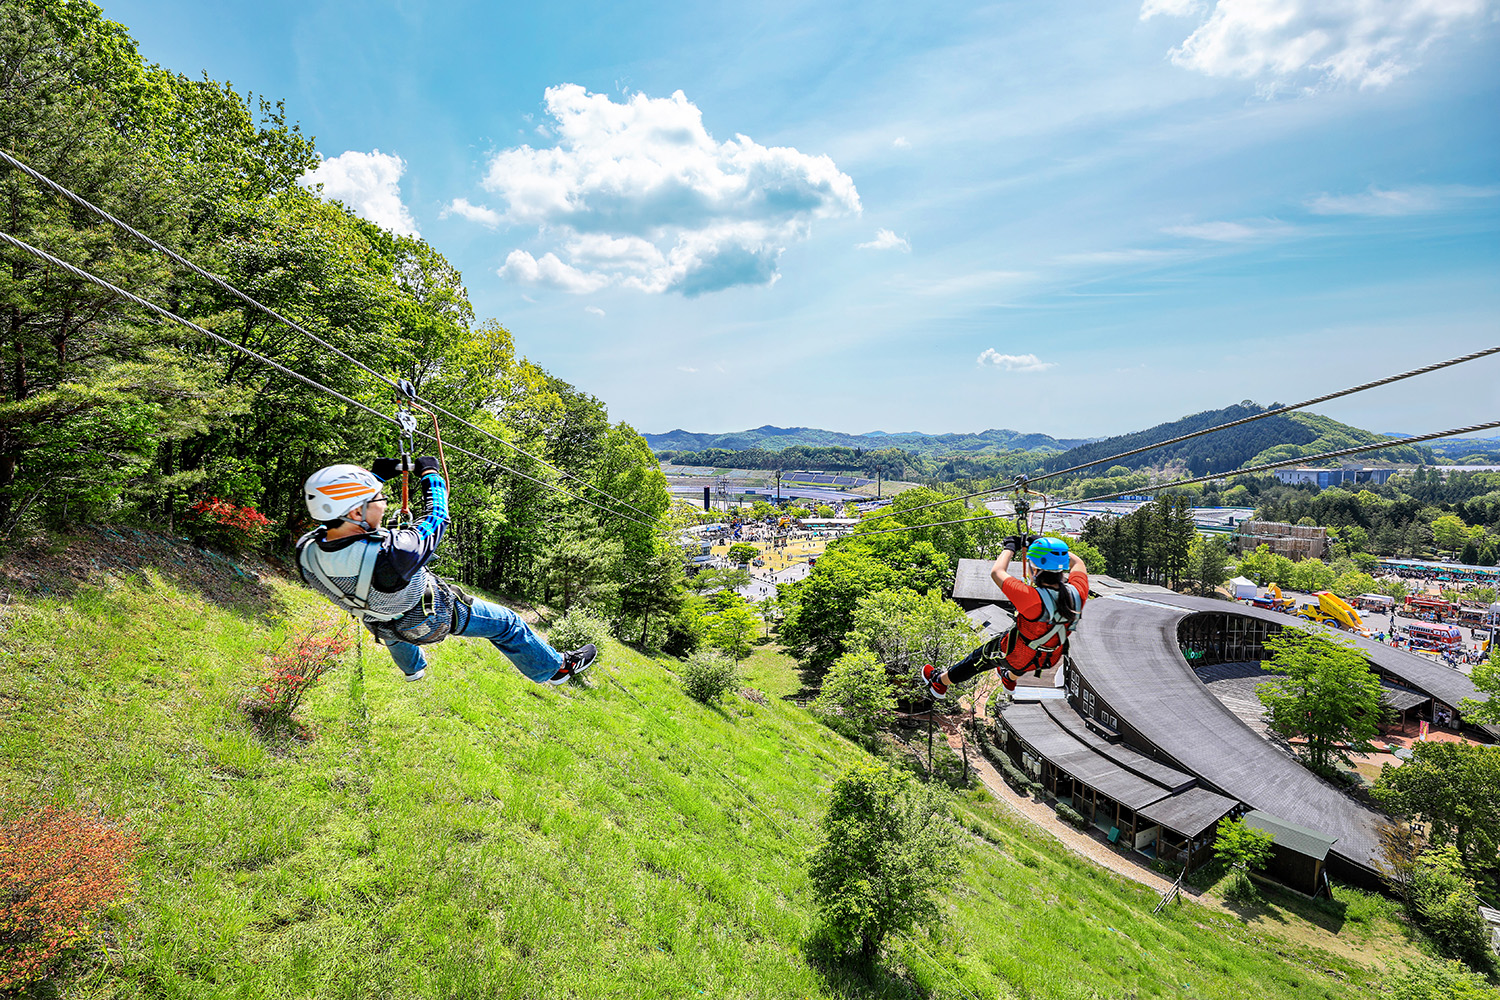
[(935, 687)]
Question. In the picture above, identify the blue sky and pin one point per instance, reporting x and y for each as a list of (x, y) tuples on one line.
[(1078, 219)]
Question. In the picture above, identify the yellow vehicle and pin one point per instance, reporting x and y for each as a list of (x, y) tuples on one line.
[(1334, 610), (1272, 599)]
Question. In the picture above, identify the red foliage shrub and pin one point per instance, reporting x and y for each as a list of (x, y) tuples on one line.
[(294, 668), (58, 869), (227, 523)]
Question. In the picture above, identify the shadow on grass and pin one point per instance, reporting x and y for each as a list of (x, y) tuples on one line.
[(63, 565), (1273, 903), (854, 976)]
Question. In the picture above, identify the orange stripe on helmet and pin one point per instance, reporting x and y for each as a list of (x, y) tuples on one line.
[(343, 491)]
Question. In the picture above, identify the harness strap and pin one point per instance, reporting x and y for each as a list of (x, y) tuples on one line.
[(357, 603)]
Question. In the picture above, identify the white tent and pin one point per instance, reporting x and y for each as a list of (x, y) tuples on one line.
[(1243, 588)]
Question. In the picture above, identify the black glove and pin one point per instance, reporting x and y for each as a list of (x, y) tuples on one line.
[(426, 464), (1016, 543), (386, 468)]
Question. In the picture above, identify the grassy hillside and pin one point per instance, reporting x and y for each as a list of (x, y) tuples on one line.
[(475, 835)]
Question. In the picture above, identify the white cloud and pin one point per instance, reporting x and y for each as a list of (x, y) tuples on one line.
[(474, 213), (1014, 362), (1368, 43), (593, 309), (685, 368), (549, 272), (1230, 232), (901, 142), (885, 240), (368, 184), (1412, 201), (640, 195)]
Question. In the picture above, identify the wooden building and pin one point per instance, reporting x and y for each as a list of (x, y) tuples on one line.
[(1298, 853), (1295, 541)]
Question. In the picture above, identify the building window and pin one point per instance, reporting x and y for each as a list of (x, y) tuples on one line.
[(1088, 702)]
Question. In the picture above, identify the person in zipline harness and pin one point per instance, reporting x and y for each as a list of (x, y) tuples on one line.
[(1047, 609), (381, 576)]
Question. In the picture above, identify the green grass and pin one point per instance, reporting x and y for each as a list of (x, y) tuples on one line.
[(475, 835)]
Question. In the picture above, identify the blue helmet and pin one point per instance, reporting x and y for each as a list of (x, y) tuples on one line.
[(1049, 554)]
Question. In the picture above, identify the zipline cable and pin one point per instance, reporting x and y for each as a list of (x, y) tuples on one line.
[(84, 203), (1391, 443), (189, 324), (1425, 369)]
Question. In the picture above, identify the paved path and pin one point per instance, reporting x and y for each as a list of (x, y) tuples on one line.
[(1089, 843)]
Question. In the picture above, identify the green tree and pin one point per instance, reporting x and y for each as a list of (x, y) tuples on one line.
[(1455, 789), (583, 567), (743, 552), (823, 510), (652, 588), (1093, 560), (1449, 532), (1486, 679), (1210, 564), (904, 629), (887, 850), (857, 698), (1449, 906), (733, 630), (1243, 848), (1329, 697)]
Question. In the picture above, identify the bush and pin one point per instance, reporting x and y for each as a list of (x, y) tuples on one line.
[(857, 698), (888, 848), (709, 675), (1071, 816), (58, 870), (577, 628), (294, 669), (1444, 895), (684, 631), (1424, 979), (226, 524)]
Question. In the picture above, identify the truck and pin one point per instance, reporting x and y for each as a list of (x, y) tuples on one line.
[(1379, 603), (1440, 637), (1273, 600), (1334, 610), (1427, 608)]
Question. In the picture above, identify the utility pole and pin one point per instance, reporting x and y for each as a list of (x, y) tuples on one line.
[(877, 482), (778, 487)]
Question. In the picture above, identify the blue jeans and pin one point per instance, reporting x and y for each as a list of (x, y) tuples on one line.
[(501, 626)]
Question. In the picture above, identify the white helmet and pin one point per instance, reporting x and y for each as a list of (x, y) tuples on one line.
[(335, 491)]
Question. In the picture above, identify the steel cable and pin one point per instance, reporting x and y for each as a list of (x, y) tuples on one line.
[(189, 324), (84, 203), (1394, 442), (1425, 369)]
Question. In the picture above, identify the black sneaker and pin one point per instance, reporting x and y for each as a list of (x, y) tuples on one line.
[(574, 663)]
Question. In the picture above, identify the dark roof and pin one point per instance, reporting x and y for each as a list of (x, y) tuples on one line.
[(971, 582), (1169, 778), (1420, 673), (1190, 812), (1126, 648), (1290, 835), (1033, 726), (1400, 698), (990, 620)]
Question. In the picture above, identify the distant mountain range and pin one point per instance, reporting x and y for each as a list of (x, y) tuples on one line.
[(1270, 439), (771, 438)]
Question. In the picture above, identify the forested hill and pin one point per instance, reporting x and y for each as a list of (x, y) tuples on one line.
[(1269, 440), (769, 438)]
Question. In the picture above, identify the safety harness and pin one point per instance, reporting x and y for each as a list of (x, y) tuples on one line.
[(1061, 630), (356, 602)]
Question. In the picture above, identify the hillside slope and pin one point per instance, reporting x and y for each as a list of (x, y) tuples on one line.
[(1270, 439), (476, 835)]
